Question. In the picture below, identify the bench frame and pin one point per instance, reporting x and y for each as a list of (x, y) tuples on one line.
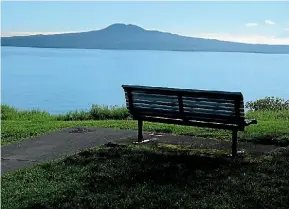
[(238, 101)]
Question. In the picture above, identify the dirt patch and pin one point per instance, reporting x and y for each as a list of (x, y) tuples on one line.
[(79, 130)]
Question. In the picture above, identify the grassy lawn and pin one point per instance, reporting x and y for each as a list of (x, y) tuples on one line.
[(150, 176), (18, 125), (147, 176)]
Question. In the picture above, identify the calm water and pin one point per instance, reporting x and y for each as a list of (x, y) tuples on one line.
[(59, 80)]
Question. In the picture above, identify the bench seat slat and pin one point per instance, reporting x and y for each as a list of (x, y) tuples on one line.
[(174, 99), (185, 92), (176, 90), (211, 103), (217, 98), (154, 97), (191, 123), (224, 102), (193, 104), (214, 113), (142, 112), (187, 111), (217, 111), (167, 105), (155, 102), (146, 106)]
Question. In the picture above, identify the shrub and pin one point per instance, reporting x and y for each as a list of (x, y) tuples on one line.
[(268, 103), (11, 113), (74, 115), (104, 112)]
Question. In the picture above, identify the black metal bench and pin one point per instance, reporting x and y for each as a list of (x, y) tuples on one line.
[(212, 109)]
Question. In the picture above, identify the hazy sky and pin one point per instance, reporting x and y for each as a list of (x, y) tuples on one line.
[(252, 22)]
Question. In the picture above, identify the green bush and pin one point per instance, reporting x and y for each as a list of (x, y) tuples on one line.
[(74, 115), (268, 103), (104, 112), (11, 113), (96, 112)]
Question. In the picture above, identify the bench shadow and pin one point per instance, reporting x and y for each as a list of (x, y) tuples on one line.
[(158, 166), (122, 168)]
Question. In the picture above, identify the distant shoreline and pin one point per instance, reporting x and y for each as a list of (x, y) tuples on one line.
[(116, 49)]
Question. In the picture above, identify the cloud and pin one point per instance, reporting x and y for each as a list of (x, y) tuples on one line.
[(286, 29), (251, 24), (251, 39), (269, 22), (9, 34)]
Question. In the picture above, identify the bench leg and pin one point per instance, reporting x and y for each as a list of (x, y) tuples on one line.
[(140, 136), (234, 143)]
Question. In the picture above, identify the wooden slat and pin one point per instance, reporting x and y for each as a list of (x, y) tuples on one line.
[(210, 107), (189, 95), (203, 105), (190, 123), (190, 116), (156, 113), (189, 98), (185, 98), (208, 100), (153, 96), (165, 103), (172, 91), (213, 120), (199, 117), (150, 88), (209, 115), (169, 113), (150, 106), (186, 104), (208, 103), (187, 111), (207, 111)]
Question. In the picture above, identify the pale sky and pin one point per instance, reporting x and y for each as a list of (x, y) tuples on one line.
[(249, 22)]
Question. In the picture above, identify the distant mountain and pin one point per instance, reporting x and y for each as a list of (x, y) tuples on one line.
[(132, 37)]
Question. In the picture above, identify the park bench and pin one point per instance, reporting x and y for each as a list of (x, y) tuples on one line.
[(202, 108)]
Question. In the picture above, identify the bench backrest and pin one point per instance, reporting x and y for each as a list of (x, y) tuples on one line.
[(215, 109)]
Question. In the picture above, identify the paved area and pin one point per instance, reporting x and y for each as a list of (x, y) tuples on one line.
[(60, 143), (72, 140)]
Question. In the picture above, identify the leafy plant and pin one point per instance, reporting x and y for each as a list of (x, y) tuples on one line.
[(268, 103)]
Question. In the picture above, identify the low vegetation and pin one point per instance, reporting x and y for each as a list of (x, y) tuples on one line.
[(18, 125), (96, 112), (154, 175), (268, 103), (151, 176)]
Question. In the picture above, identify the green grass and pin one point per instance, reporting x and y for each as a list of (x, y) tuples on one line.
[(96, 112), (151, 176), (18, 125)]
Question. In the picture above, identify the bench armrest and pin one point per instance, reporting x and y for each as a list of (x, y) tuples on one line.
[(250, 121)]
